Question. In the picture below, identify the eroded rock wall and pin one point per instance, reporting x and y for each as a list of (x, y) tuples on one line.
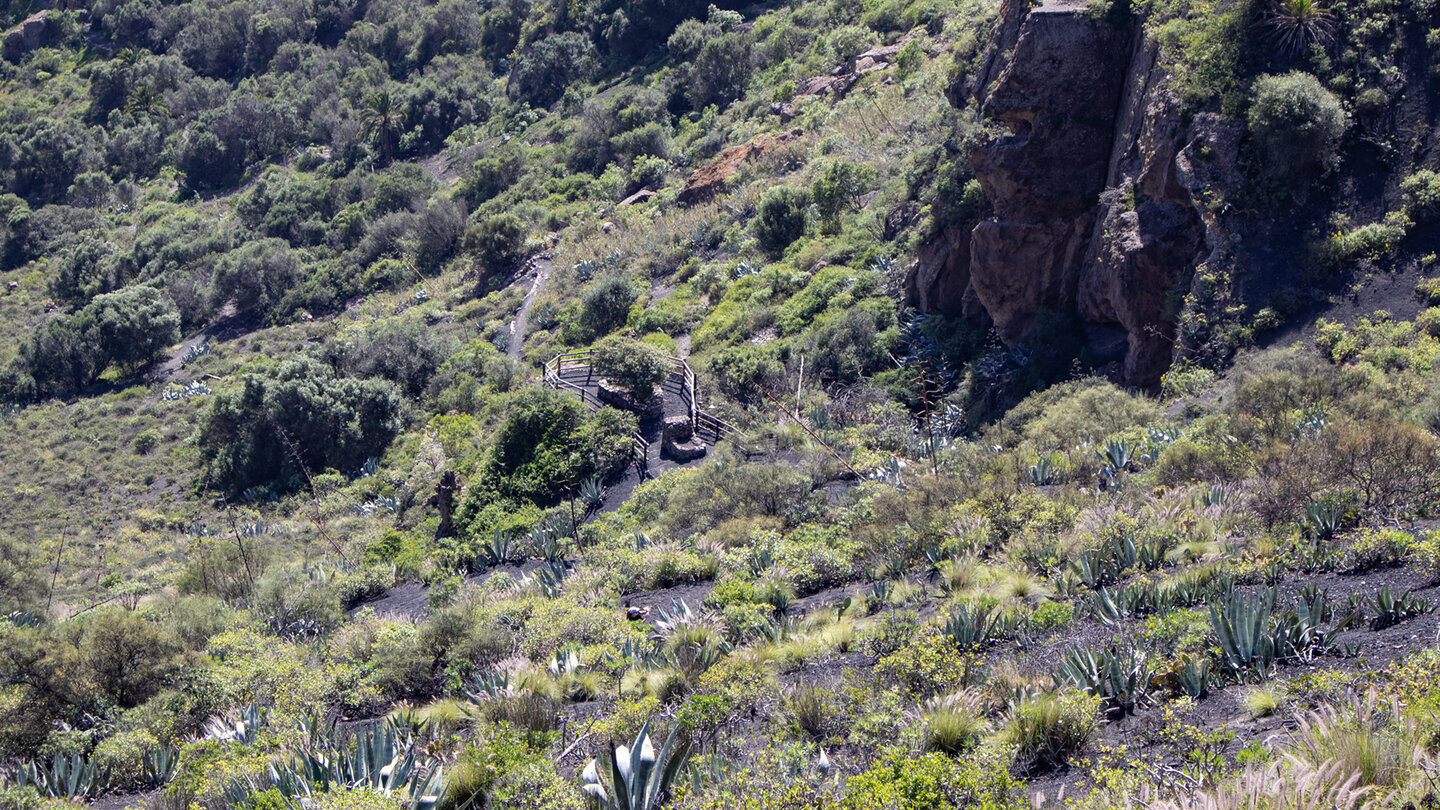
[(1096, 194)]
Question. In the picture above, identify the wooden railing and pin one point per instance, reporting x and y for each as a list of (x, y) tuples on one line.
[(640, 448), (689, 393)]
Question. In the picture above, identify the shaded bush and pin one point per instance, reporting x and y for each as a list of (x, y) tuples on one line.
[(780, 217), (1297, 125), (547, 444), (295, 416), (498, 239)]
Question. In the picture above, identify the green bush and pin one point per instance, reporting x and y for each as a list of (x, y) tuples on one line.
[(1374, 548), (547, 444), (1068, 414), (147, 440), (604, 305), (292, 417), (1297, 125), (499, 240), (1422, 194), (927, 665), (1369, 241), (780, 217), (637, 367), (1048, 731), (933, 781), (836, 190)]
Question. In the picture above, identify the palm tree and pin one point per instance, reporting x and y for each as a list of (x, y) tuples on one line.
[(1296, 24), (146, 100), (380, 119)]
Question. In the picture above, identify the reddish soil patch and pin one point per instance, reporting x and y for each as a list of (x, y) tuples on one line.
[(707, 180)]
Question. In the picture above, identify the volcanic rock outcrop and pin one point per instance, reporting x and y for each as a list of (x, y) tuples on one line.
[(1093, 194)]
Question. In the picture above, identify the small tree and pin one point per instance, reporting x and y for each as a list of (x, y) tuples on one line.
[(780, 218), (637, 367), (133, 326), (499, 239)]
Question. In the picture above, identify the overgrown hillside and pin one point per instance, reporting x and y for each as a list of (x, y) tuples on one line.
[(922, 404)]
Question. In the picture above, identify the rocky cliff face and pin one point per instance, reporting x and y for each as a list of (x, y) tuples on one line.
[(1095, 193)]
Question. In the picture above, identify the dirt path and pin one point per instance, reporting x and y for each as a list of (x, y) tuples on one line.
[(521, 324)]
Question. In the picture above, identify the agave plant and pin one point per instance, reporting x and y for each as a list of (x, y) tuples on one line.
[(382, 759), (1297, 24), (22, 618), (490, 686), (233, 728), (592, 494), (1243, 628), (1096, 569), (635, 777), (551, 578), (1123, 681), (566, 661), (1042, 472), (1192, 677), (1324, 518), (759, 559), (895, 566), (1116, 453), (880, 591), (1217, 495), (158, 764), (497, 551), (63, 777), (968, 629), (679, 615), (891, 472), (1105, 610), (1390, 609)]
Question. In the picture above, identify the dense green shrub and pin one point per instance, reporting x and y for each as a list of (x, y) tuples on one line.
[(404, 350), (637, 367), (295, 417), (605, 305), (1065, 415), (713, 59), (256, 275), (498, 240), (1297, 125), (780, 217), (20, 581), (129, 329), (547, 444), (1422, 193), (934, 782)]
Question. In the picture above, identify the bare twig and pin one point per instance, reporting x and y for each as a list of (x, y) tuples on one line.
[(55, 572), (319, 518), (811, 434)]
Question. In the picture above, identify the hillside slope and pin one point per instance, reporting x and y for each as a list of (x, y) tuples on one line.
[(964, 403)]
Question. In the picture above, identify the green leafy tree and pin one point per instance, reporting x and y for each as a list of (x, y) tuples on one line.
[(499, 240), (298, 412), (132, 327), (605, 304), (256, 275), (637, 367), (547, 444), (128, 657)]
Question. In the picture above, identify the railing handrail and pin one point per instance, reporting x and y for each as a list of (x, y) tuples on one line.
[(689, 391)]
